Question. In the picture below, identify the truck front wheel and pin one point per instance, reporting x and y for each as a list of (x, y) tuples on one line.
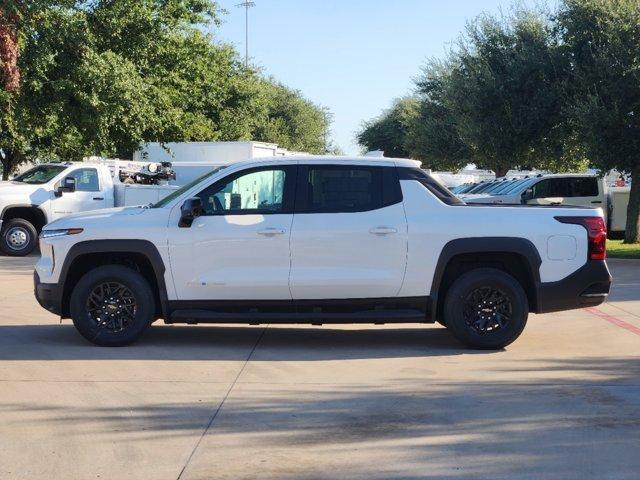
[(112, 305), (18, 237), (486, 308)]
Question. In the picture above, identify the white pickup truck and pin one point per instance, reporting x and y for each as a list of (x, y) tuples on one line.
[(321, 240), (50, 191), (558, 189)]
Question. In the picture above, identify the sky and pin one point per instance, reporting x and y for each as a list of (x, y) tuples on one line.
[(352, 56)]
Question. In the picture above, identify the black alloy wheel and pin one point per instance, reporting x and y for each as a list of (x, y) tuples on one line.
[(486, 308), (112, 306)]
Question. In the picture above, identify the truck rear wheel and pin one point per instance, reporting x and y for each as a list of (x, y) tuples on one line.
[(112, 305), (486, 308), (18, 237)]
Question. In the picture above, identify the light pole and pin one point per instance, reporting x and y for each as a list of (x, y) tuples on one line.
[(247, 5)]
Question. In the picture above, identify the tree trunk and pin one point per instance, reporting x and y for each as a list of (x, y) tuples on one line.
[(632, 233), (9, 52), (5, 167), (501, 171)]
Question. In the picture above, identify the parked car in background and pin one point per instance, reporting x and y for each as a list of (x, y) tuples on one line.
[(560, 189)]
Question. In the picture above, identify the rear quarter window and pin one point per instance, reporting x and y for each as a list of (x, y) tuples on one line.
[(441, 192)]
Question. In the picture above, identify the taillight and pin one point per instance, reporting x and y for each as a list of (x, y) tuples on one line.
[(596, 233)]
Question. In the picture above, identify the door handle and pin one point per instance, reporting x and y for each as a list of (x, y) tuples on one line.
[(98, 198), (597, 201), (383, 230), (270, 232)]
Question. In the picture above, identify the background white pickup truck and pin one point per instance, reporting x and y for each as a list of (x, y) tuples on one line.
[(321, 240), (557, 189), (40, 195)]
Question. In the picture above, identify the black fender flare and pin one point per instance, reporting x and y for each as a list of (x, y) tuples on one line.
[(479, 245), (143, 247), (24, 205)]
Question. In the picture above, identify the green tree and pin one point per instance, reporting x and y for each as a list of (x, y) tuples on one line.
[(433, 135), (602, 39), (98, 78), (292, 121), (390, 130)]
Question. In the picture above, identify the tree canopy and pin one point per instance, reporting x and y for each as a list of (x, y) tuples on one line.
[(98, 78), (389, 131), (558, 91), (602, 39)]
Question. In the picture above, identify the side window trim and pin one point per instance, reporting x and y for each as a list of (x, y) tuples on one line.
[(302, 188), (288, 195)]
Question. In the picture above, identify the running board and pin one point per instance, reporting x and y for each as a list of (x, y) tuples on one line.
[(317, 318)]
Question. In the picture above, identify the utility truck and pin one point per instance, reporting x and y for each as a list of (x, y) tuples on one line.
[(321, 240), (50, 191)]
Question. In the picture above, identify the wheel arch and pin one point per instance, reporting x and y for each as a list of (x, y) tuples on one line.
[(141, 255), (516, 256), (30, 212)]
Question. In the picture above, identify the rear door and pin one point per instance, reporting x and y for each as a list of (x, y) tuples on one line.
[(349, 233)]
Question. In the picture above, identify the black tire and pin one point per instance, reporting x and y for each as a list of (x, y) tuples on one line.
[(477, 321), (18, 237), (125, 324)]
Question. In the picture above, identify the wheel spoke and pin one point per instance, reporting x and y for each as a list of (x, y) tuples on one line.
[(112, 306), (487, 310)]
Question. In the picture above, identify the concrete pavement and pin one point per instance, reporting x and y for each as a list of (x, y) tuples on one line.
[(279, 402)]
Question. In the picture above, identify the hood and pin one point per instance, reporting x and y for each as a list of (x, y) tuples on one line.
[(493, 199), (102, 216), (16, 193), (7, 186)]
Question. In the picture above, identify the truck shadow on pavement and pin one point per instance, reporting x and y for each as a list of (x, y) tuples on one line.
[(63, 342)]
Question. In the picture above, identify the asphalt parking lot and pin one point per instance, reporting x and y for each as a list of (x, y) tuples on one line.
[(279, 402)]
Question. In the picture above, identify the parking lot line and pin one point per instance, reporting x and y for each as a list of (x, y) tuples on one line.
[(614, 320)]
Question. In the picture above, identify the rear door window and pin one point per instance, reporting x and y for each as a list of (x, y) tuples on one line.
[(551, 187), (348, 188), (583, 187)]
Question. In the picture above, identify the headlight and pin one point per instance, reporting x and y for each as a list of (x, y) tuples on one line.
[(60, 232)]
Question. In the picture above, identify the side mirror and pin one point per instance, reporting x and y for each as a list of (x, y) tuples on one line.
[(68, 185), (191, 209), (527, 195)]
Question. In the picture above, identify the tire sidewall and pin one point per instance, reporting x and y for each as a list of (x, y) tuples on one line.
[(138, 286), (28, 228), (454, 306)]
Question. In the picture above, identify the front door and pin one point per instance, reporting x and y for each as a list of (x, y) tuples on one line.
[(239, 248), (89, 194), (349, 234)]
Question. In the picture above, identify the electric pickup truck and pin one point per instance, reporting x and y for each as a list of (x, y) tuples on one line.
[(320, 240)]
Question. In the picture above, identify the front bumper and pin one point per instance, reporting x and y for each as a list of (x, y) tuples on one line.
[(586, 287), (49, 295)]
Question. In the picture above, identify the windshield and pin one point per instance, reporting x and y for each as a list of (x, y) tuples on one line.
[(515, 186), (505, 186), (40, 174), (186, 187), (483, 187)]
